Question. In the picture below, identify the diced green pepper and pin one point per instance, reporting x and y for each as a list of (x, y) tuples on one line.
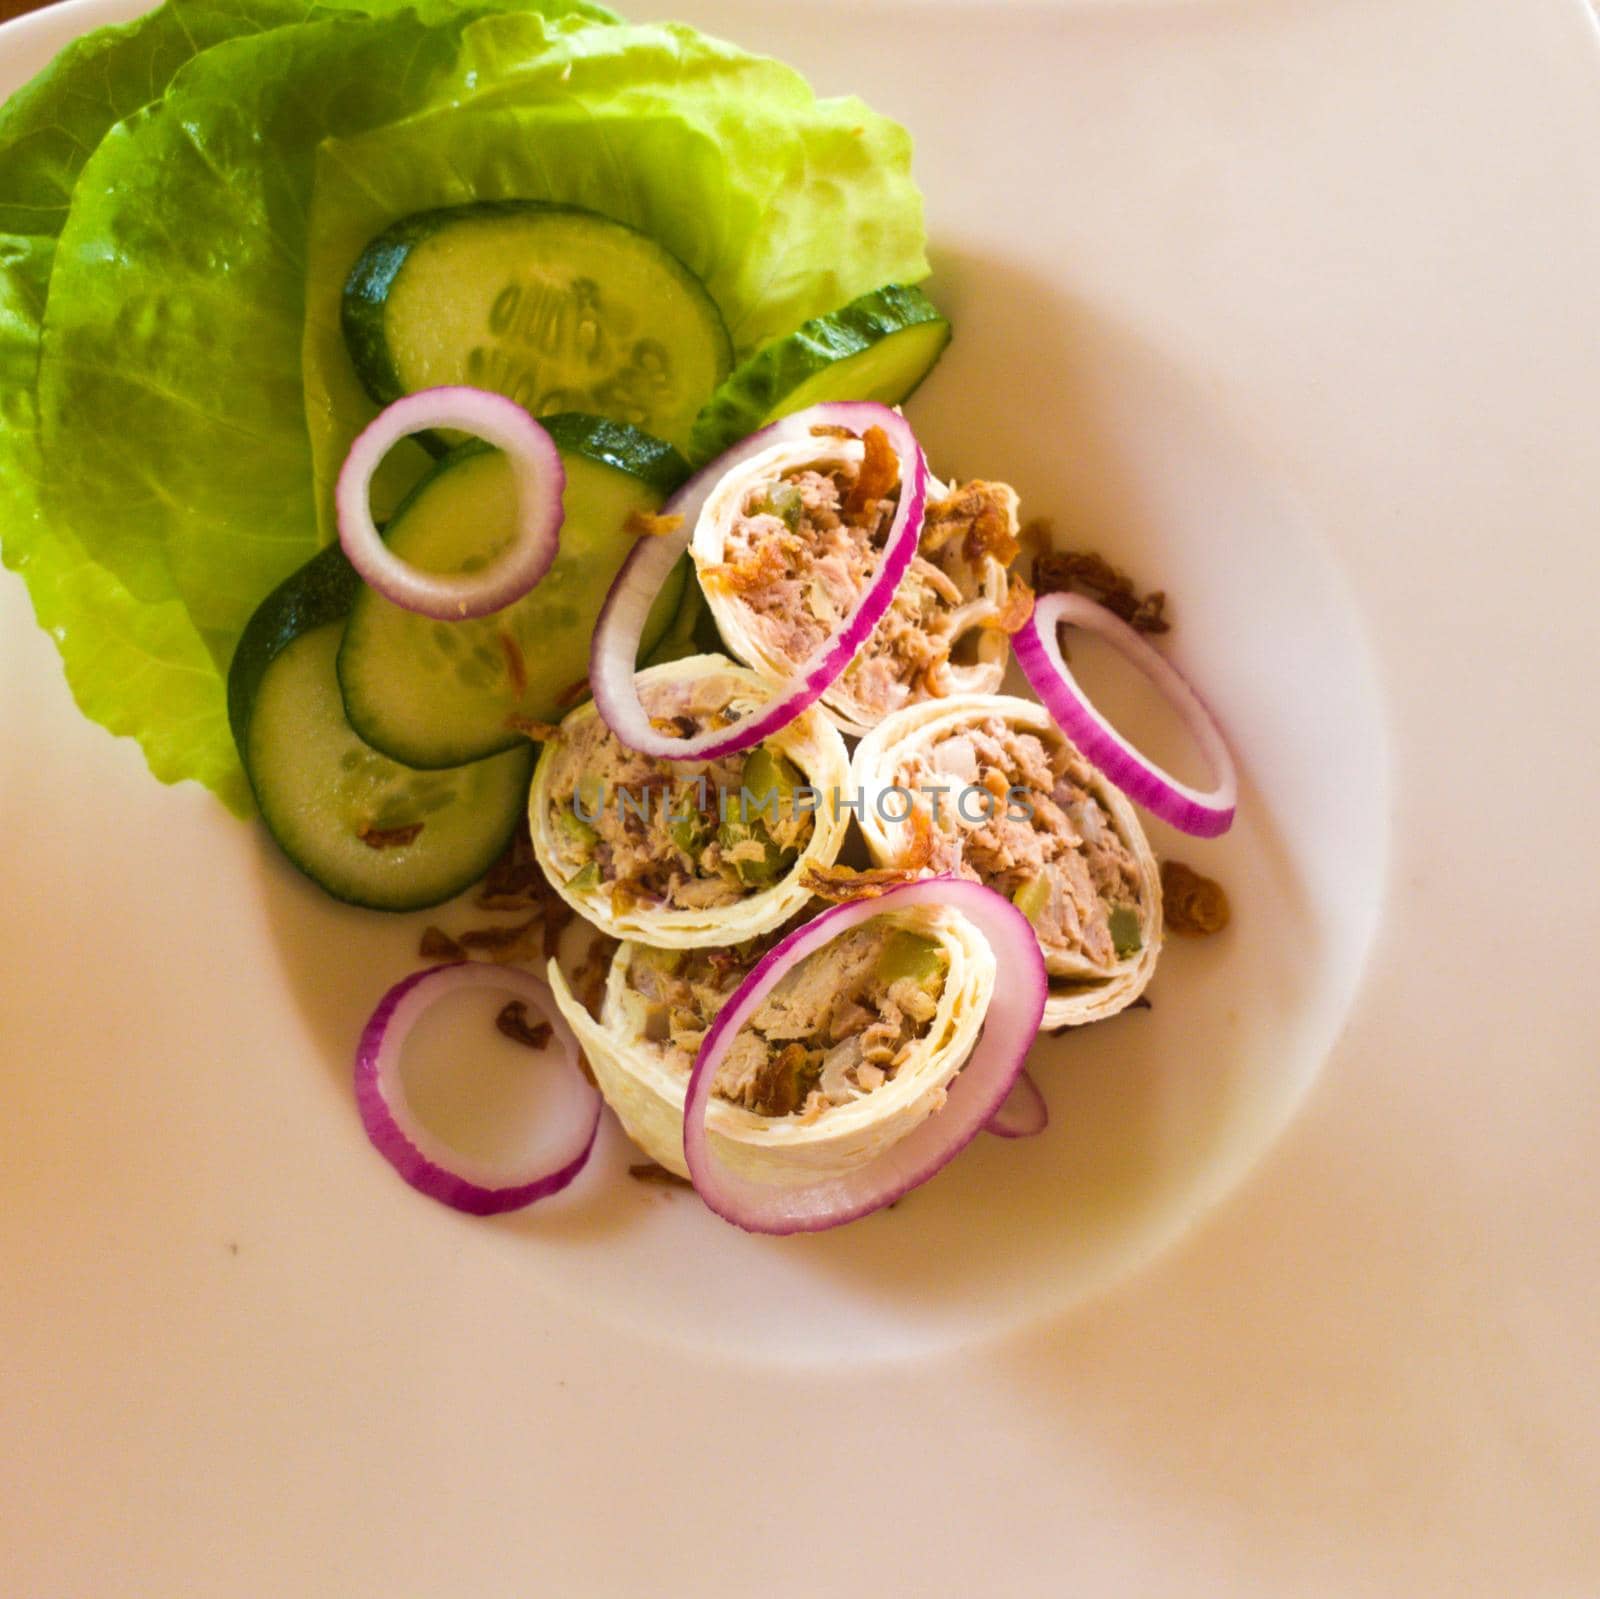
[(1032, 898), (689, 831), (687, 825), (578, 831), (770, 781), (663, 960), (782, 500), (1126, 936), (586, 879), (911, 955), (767, 773), (773, 863)]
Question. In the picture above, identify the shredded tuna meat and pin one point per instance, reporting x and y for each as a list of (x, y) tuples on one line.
[(1085, 572), (908, 657), (1193, 904), (805, 546), (1045, 841), (669, 834), (836, 1027)]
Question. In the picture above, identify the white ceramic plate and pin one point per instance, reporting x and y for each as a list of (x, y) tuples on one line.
[(1289, 308)]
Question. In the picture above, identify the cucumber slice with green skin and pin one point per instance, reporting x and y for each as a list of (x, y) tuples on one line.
[(693, 631), (434, 693), (879, 347), (677, 639), (561, 309), (322, 591), (363, 827), (656, 464)]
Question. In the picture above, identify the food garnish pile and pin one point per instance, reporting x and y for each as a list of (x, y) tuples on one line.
[(471, 437)]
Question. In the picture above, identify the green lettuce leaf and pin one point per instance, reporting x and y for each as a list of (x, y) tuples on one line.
[(165, 463), (120, 655), (784, 205), (49, 127), (158, 245)]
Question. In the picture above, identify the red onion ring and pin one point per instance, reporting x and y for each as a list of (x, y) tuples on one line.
[(616, 636), (976, 1094), (540, 480), (1023, 1113), (453, 1179), (1038, 652)]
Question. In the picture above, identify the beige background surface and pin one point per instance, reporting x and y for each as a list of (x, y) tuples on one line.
[(1370, 1374)]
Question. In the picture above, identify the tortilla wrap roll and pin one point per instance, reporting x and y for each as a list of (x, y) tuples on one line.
[(1021, 810), (853, 1049), (783, 556), (684, 853)]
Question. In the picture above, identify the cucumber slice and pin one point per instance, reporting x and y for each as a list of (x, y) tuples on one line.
[(433, 693), (363, 827), (677, 641), (879, 347), (559, 308), (693, 631), (654, 462), (322, 591)]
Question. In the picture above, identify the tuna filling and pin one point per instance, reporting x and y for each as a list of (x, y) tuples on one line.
[(803, 549), (1046, 841), (937, 608), (675, 835), (838, 1026)]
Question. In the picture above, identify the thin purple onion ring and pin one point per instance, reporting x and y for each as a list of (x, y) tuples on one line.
[(977, 1092), (1038, 651), (540, 480), (1023, 1114), (458, 1180), (616, 635)]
